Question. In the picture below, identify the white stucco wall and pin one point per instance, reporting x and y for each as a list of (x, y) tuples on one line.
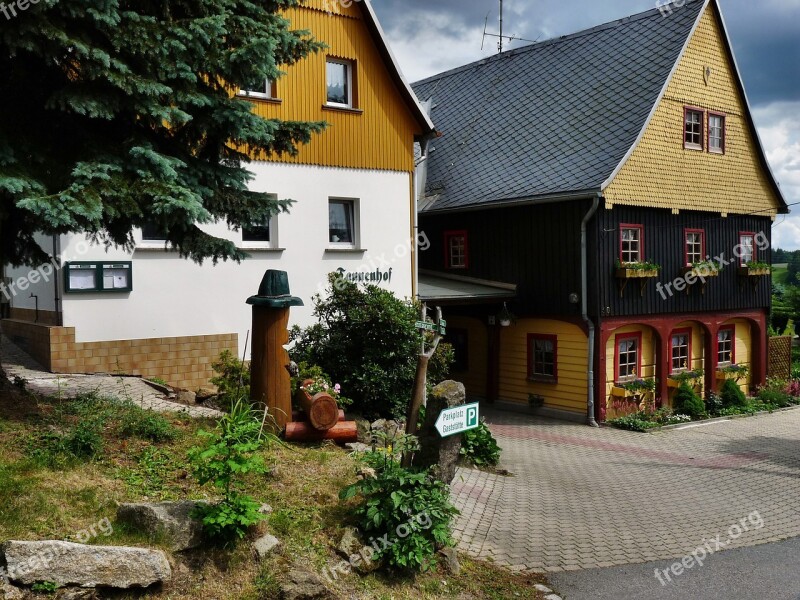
[(39, 281), (176, 297)]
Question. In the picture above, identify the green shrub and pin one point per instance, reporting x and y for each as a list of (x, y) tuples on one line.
[(86, 439), (366, 340), (479, 447), (732, 395), (640, 422), (714, 404), (687, 402), (406, 507), (777, 398), (146, 425), (232, 378), (230, 452)]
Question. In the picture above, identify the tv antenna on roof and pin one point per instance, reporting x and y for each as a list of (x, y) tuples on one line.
[(501, 38)]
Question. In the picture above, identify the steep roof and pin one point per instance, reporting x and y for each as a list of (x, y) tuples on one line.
[(556, 118)]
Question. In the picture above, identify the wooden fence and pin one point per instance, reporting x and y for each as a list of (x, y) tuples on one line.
[(780, 357)]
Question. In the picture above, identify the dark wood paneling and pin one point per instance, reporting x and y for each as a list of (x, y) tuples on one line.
[(664, 245), (535, 247)]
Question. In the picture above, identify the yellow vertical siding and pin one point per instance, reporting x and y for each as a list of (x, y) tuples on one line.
[(661, 173), (697, 356), (571, 391), (744, 344), (474, 378), (379, 134)]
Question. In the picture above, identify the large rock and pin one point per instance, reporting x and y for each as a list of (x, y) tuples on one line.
[(266, 545), (171, 520), (436, 451), (68, 564), (303, 585), (361, 557)]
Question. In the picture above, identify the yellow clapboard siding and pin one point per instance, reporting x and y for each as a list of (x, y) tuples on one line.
[(661, 173), (380, 134), (647, 359), (744, 341), (571, 390)]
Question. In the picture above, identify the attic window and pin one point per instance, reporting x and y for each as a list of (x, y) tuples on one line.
[(693, 129), (716, 133), (339, 83)]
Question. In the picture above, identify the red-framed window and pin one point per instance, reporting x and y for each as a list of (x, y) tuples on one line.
[(694, 246), (628, 356), (747, 248), (456, 249), (631, 243), (543, 357), (693, 128), (726, 345), (716, 133), (681, 350)]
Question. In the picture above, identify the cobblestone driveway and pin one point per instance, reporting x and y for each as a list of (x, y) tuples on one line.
[(584, 498)]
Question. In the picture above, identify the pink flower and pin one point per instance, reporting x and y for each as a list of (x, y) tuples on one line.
[(337, 388)]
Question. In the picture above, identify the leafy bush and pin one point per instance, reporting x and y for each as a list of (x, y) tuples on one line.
[(793, 389), (714, 404), (86, 439), (232, 378), (774, 397), (686, 402), (146, 424), (366, 340), (641, 422), (732, 395), (479, 447), (407, 507), (229, 454)]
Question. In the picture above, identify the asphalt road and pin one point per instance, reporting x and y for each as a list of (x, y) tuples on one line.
[(766, 572)]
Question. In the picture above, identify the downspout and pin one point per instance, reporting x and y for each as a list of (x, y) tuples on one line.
[(420, 181), (56, 299), (585, 308)]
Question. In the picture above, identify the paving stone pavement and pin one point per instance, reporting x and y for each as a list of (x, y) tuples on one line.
[(583, 498), (17, 363)]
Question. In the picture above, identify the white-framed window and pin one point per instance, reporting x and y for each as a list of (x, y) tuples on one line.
[(693, 129), (267, 91), (257, 236), (725, 345), (747, 248), (628, 358), (339, 76), (695, 246), (681, 344), (716, 133), (631, 243), (343, 223)]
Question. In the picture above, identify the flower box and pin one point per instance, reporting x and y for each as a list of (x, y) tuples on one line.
[(701, 272), (735, 375), (748, 271), (620, 392), (626, 273)]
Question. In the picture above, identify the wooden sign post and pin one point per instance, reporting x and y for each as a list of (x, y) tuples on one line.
[(270, 384)]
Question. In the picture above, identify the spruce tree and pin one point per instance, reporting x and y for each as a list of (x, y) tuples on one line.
[(116, 113)]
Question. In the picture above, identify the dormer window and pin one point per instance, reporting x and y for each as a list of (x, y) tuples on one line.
[(693, 129)]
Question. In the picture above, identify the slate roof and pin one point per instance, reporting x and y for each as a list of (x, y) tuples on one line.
[(556, 117)]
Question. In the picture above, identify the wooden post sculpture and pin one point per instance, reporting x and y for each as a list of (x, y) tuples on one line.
[(270, 383)]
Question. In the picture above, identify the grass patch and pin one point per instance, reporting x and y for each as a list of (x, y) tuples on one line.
[(40, 500)]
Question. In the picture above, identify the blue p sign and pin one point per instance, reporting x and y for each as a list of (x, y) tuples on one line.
[(472, 416)]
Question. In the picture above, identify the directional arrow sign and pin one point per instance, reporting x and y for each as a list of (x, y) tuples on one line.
[(458, 419), (441, 327)]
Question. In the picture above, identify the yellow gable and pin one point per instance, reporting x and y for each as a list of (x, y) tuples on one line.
[(378, 133), (662, 173)]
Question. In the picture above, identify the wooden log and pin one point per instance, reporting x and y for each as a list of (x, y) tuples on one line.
[(321, 409), (341, 433), (300, 415)]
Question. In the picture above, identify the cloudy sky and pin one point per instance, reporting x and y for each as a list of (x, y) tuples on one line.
[(430, 36)]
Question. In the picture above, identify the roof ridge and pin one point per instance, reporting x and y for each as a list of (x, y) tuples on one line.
[(566, 37)]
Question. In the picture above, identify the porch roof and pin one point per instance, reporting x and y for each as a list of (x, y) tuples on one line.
[(444, 288)]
